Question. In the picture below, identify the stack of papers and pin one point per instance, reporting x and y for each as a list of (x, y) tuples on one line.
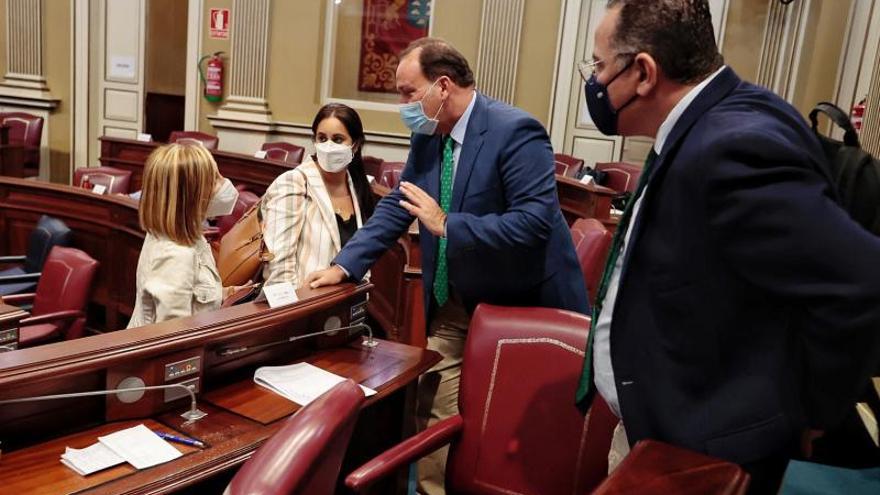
[(138, 446), (301, 383)]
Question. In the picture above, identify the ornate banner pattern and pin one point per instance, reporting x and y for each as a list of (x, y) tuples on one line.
[(388, 27)]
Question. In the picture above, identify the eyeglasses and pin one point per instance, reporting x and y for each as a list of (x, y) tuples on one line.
[(589, 69)]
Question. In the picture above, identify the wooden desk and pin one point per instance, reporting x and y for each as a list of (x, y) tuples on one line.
[(255, 173), (240, 417), (579, 200), (12, 160), (10, 316), (105, 227)]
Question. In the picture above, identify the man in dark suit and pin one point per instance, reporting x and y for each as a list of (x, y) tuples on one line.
[(741, 305), (480, 180)]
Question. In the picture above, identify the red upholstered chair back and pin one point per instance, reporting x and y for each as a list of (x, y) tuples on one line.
[(622, 176), (305, 456), (372, 165), (522, 431), (26, 129), (591, 242), (115, 180), (246, 199), (285, 152), (389, 174), (568, 165), (193, 137), (65, 284), (23, 127)]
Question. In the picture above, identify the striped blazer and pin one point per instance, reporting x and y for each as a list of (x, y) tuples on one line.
[(299, 225)]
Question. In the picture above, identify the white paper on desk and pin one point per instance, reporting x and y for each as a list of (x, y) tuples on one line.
[(302, 383), (91, 459), (140, 447)]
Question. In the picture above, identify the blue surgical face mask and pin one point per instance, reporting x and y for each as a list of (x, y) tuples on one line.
[(414, 117)]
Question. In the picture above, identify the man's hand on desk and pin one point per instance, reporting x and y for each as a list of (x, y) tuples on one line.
[(331, 276), (424, 207)]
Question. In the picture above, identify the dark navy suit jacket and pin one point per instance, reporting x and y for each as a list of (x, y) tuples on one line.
[(749, 303), (507, 241)]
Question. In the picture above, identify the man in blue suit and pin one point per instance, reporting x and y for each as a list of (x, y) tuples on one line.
[(740, 309), (480, 180)]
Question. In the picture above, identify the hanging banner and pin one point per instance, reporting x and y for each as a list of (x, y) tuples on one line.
[(388, 27)]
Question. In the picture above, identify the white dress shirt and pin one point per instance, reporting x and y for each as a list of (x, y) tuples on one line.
[(602, 369), (458, 132)]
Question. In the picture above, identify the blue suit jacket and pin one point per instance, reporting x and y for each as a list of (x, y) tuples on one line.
[(749, 304), (507, 241)]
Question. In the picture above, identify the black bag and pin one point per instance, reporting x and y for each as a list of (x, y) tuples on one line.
[(855, 172)]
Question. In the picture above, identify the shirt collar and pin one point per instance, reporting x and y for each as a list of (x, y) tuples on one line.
[(678, 111), (460, 127)]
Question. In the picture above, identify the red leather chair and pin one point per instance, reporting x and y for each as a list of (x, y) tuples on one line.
[(25, 129), (60, 300), (655, 468), (284, 152), (591, 243), (115, 180), (568, 165), (372, 165), (518, 430), (305, 456), (246, 199), (622, 176), (389, 174), (194, 137), (23, 277)]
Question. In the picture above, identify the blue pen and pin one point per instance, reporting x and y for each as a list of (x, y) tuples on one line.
[(184, 441)]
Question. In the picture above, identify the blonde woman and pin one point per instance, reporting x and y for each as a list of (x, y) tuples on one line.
[(176, 274), (310, 212)]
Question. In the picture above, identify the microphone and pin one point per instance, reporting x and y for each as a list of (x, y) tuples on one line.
[(368, 341), (124, 395)]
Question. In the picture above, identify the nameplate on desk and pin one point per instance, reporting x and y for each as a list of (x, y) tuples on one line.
[(99, 189), (260, 154), (147, 138), (280, 294)]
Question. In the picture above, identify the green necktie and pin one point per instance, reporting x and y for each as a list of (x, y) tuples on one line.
[(586, 384), (441, 277)]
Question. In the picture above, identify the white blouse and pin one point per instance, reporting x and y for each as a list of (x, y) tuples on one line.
[(174, 281)]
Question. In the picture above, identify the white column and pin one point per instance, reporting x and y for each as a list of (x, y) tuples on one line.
[(248, 62), (781, 49), (24, 49), (870, 134), (498, 54)]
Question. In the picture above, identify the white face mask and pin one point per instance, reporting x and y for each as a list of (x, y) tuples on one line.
[(223, 201), (333, 157)]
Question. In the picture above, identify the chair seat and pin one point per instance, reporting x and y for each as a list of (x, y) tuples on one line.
[(36, 334), (16, 288)]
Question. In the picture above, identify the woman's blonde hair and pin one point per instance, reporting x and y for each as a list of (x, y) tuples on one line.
[(177, 187)]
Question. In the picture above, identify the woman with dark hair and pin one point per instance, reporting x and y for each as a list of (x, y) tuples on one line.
[(310, 212)]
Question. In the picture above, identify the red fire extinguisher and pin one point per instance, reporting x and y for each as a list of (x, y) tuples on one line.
[(213, 77), (858, 114)]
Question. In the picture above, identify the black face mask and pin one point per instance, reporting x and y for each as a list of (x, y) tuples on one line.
[(599, 103)]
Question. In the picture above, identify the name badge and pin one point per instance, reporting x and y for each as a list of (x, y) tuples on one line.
[(280, 294)]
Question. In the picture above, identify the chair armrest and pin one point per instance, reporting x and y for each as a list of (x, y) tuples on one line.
[(12, 259), (23, 277), (404, 453), (18, 299), (68, 314)]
